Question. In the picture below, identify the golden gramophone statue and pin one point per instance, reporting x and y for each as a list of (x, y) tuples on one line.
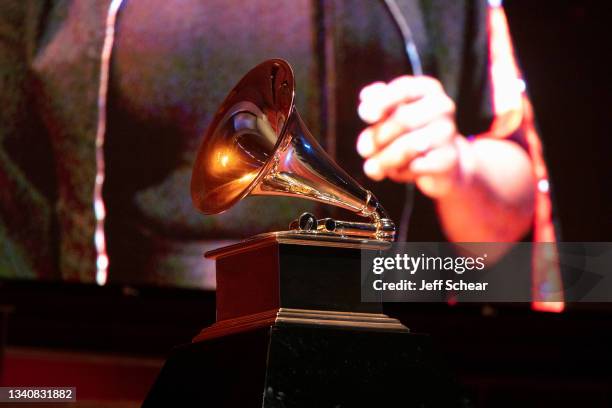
[(257, 144), (291, 328)]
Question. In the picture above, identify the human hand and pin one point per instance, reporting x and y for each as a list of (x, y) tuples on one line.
[(412, 134)]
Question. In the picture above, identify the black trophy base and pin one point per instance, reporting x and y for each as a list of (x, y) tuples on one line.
[(300, 366)]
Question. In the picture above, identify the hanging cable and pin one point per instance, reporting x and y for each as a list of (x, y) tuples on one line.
[(414, 60)]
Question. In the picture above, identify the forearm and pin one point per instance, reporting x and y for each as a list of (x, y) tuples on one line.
[(494, 199)]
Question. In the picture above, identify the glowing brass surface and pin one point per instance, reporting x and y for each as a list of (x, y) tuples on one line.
[(258, 144)]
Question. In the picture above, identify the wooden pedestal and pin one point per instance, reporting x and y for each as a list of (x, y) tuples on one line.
[(291, 331), (291, 278)]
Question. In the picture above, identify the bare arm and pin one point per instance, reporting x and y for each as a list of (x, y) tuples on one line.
[(484, 189), (493, 201)]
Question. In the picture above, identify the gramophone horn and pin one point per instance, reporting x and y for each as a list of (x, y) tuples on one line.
[(258, 144)]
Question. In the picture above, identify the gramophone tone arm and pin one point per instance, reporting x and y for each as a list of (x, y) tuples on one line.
[(383, 230), (374, 210)]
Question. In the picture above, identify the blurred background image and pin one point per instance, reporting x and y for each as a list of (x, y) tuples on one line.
[(172, 63)]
